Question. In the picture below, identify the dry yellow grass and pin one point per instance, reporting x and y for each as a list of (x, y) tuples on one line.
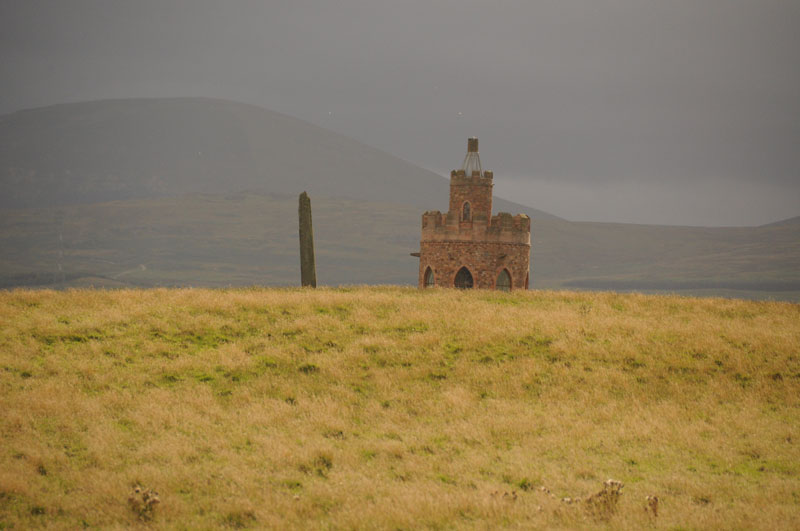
[(395, 408)]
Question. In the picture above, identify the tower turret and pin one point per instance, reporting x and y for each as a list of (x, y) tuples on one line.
[(471, 187)]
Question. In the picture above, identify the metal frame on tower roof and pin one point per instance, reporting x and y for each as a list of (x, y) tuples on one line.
[(472, 161)]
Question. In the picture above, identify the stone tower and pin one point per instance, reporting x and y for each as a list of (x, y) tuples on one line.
[(468, 247)]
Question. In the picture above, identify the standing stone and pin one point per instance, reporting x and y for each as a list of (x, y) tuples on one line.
[(308, 268)]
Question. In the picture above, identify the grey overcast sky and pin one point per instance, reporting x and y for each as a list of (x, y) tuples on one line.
[(645, 111)]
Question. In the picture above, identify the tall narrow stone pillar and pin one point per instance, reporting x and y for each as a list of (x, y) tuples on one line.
[(308, 268)]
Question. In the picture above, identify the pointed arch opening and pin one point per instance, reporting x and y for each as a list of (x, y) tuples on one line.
[(464, 279), (527, 278), (503, 282), (429, 280), (466, 211)]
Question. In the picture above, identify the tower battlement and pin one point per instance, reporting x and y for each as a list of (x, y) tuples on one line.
[(461, 177), (438, 226)]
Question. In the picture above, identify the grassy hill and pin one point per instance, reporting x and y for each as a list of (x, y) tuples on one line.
[(203, 192), (397, 408)]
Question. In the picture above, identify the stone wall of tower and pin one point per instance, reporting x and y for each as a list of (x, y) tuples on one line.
[(475, 188), (485, 260), (485, 247)]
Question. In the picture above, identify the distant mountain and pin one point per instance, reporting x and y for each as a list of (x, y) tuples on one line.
[(146, 148), (204, 192), (791, 222)]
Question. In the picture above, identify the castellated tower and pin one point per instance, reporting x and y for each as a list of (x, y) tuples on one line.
[(468, 247)]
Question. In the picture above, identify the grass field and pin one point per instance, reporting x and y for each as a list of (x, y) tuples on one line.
[(397, 408)]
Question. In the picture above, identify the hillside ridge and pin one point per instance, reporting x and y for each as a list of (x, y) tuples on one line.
[(133, 148)]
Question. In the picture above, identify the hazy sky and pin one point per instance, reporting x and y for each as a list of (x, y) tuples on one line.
[(647, 111)]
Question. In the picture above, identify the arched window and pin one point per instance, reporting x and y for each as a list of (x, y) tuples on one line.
[(527, 278), (466, 215), (463, 278), (503, 281), (429, 279)]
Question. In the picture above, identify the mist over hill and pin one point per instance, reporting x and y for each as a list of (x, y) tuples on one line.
[(203, 192)]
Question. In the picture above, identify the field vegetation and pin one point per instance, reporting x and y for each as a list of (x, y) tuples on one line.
[(397, 408)]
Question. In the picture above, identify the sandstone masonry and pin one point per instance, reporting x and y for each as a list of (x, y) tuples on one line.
[(468, 247)]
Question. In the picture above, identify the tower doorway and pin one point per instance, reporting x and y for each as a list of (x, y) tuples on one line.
[(464, 279), (503, 281), (429, 278)]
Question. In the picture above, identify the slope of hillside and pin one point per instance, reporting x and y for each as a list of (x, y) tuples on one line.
[(791, 222), (251, 239), (145, 148), (385, 408), (622, 256)]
